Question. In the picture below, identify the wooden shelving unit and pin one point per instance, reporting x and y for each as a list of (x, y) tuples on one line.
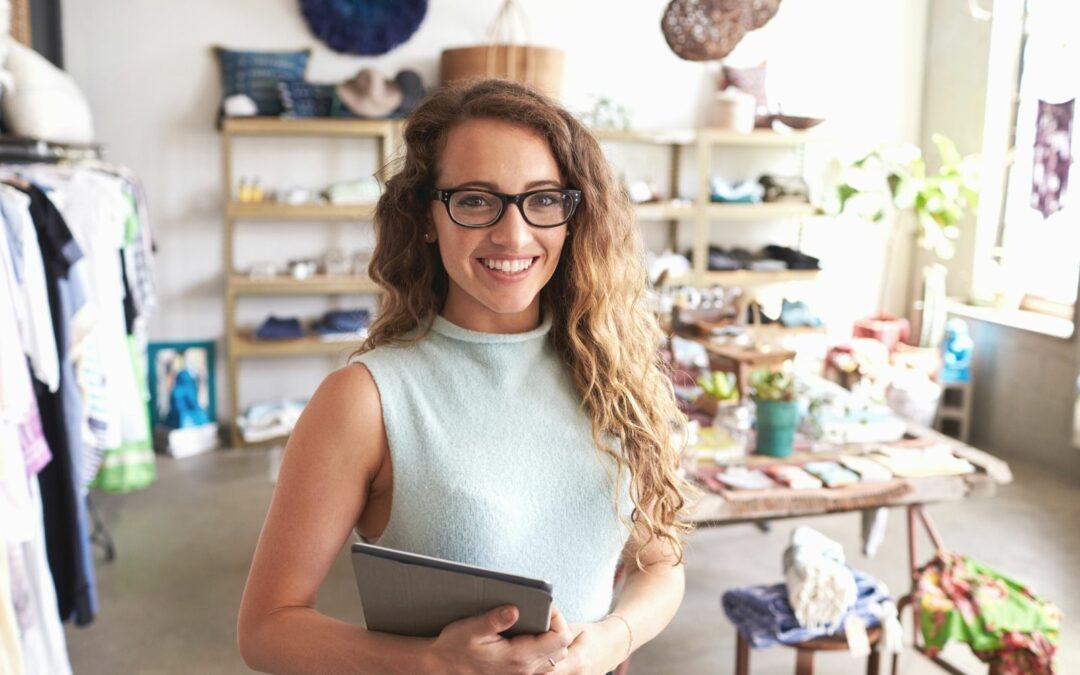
[(238, 344)]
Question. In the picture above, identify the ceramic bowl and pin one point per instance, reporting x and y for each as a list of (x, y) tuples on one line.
[(797, 122)]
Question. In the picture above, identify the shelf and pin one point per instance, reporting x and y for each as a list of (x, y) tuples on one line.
[(669, 210), (275, 211), (315, 126), (672, 137), (759, 138), (762, 211), (751, 278), (317, 285), (245, 346), (778, 329)]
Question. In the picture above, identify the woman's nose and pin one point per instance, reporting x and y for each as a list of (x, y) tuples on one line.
[(511, 231)]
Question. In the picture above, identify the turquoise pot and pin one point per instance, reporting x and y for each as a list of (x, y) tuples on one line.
[(776, 423)]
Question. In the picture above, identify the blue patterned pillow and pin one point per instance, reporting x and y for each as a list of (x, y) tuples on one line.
[(304, 99), (257, 74)]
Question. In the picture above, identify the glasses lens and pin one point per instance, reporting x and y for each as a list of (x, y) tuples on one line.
[(474, 208), (548, 208)]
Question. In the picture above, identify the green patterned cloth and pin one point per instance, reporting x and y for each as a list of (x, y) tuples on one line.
[(1004, 622)]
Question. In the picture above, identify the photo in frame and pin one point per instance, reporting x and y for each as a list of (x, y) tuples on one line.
[(166, 361)]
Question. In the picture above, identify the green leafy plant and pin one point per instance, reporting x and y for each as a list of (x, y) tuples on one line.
[(768, 385), (895, 177), (720, 385)]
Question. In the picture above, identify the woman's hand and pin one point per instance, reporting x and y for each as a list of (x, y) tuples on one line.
[(598, 648), (473, 646)]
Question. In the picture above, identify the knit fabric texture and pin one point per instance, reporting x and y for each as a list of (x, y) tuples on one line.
[(494, 462)]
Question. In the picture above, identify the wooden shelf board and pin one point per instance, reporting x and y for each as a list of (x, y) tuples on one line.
[(667, 210), (243, 345), (655, 137), (762, 211), (317, 285), (314, 126), (750, 278), (275, 211), (760, 138)]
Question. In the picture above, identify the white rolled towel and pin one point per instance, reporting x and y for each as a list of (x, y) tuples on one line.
[(820, 586)]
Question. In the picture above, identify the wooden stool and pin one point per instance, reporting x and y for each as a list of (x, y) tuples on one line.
[(804, 654)]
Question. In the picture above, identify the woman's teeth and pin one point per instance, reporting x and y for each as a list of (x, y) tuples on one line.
[(508, 266)]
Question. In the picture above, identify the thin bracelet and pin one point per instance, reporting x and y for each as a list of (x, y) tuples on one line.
[(630, 644)]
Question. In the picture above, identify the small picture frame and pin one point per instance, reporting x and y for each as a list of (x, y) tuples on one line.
[(166, 360)]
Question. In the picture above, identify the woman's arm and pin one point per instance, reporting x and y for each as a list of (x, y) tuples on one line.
[(332, 457), (648, 601)]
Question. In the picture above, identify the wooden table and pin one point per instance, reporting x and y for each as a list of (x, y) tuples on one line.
[(713, 509)]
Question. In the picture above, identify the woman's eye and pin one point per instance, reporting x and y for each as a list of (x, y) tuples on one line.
[(474, 201)]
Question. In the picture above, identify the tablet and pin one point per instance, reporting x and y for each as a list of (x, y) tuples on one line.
[(415, 595)]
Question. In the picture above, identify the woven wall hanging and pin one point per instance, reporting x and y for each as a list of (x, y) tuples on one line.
[(706, 30), (363, 27)]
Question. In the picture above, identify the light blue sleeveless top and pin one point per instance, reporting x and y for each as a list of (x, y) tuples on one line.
[(494, 462)]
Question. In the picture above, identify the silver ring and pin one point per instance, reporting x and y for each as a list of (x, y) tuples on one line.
[(551, 661)]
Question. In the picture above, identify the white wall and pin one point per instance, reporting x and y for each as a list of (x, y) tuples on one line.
[(152, 82)]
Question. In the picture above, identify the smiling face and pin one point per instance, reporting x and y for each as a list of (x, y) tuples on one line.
[(496, 273)]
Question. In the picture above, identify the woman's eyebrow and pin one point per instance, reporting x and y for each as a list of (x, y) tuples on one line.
[(485, 185)]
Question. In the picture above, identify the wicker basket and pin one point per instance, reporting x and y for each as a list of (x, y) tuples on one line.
[(506, 56), (540, 67)]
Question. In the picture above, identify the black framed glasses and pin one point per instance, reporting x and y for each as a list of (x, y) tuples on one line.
[(473, 207)]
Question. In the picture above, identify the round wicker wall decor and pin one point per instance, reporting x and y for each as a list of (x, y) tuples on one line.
[(706, 30)]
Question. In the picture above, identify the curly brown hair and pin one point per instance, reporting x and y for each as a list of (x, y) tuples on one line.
[(600, 326)]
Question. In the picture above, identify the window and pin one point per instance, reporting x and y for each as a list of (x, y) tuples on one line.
[(1038, 241)]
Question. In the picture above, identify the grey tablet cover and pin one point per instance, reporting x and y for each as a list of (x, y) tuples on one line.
[(418, 596)]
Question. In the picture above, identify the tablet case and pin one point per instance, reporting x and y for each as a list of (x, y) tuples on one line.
[(414, 595)]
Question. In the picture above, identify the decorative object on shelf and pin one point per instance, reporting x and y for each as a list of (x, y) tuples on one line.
[(718, 388), (706, 30), (239, 105), (305, 99), (166, 361), (363, 27), (723, 191), (606, 114), (303, 268), (732, 110), (41, 101), (256, 74), (797, 122), (773, 393), (364, 190), (750, 80), (336, 263), (505, 55), (784, 189), (370, 95)]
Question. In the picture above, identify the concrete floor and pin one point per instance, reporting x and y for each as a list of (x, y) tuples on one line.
[(169, 600)]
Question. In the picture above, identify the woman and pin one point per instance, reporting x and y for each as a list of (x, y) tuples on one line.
[(507, 409)]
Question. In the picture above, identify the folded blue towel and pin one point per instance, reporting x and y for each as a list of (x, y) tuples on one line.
[(275, 328), (342, 321), (763, 615)]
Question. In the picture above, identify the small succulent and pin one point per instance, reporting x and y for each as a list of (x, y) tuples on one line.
[(719, 385), (768, 385)]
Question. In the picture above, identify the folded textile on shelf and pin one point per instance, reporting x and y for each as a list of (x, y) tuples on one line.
[(279, 328), (820, 586), (764, 615), (343, 324), (360, 191), (724, 191), (270, 419)]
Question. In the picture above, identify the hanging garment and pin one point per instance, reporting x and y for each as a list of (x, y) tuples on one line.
[(32, 301), (67, 534), (1000, 618), (11, 661), (41, 633), (1053, 156)]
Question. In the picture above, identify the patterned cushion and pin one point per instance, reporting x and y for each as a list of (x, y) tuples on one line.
[(257, 74), (304, 99)]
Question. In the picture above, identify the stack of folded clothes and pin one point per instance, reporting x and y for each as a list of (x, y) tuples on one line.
[(270, 419), (343, 325), (279, 328), (772, 258)]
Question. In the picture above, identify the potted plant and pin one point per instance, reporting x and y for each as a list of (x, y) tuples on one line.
[(773, 393), (718, 388), (892, 179)]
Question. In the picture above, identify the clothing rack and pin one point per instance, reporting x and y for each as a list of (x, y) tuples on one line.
[(21, 149)]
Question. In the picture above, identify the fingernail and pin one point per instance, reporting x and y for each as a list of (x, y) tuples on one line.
[(507, 614)]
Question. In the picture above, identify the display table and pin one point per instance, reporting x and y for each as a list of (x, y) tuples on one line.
[(717, 505)]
